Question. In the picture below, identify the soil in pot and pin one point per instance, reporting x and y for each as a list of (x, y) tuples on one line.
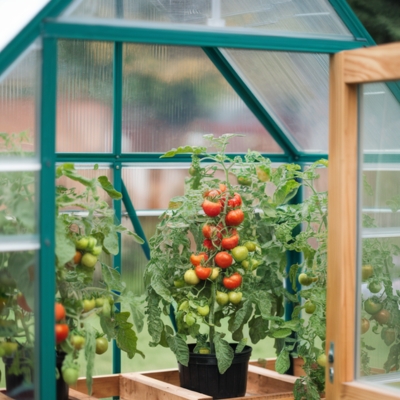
[(20, 387), (202, 375)]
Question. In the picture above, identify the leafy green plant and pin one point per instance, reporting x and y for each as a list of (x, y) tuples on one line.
[(197, 290)]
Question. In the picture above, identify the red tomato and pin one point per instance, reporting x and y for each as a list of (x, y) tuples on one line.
[(62, 332), (59, 312), (234, 217), (210, 208), (21, 301), (223, 259), (196, 259), (207, 243), (233, 281), (222, 187), (229, 243), (236, 201), (203, 272), (209, 231)]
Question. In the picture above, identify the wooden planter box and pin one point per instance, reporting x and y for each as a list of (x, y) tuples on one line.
[(262, 384)]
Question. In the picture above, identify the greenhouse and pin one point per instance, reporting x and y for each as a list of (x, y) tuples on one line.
[(200, 198)]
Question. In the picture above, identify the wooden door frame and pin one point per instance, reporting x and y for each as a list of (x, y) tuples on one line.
[(347, 70)]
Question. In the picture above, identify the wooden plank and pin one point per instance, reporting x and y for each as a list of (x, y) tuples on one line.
[(281, 396), (4, 397), (136, 386), (167, 375), (372, 64), (269, 363), (103, 386), (360, 391), (342, 228), (75, 395)]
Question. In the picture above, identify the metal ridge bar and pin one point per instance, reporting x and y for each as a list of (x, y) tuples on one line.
[(29, 33), (203, 38)]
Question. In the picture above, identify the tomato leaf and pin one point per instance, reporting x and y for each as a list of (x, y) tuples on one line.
[(90, 352), (286, 192), (241, 316), (282, 363), (110, 242), (263, 302), (109, 188), (183, 150), (112, 278), (125, 336), (281, 333), (223, 352), (65, 248), (178, 345), (258, 329)]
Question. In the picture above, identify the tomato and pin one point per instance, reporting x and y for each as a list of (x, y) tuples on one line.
[(364, 325), (321, 360), (204, 350), (203, 273), (309, 307), (190, 319), (305, 280), (77, 341), (210, 208), (251, 246), (62, 332), (233, 281), (388, 335), (196, 259), (59, 312), (106, 309), (382, 316), (367, 271), (184, 305), (203, 310), (372, 306), (262, 175), (222, 187), (375, 287), (88, 305), (82, 243), (235, 297), (77, 257), (179, 283), (9, 348), (243, 180), (99, 302), (234, 217), (89, 260), (222, 298), (215, 273), (101, 345), (208, 231), (229, 243), (97, 250), (252, 264), (190, 277), (91, 242), (240, 253), (70, 375), (236, 201), (21, 301), (208, 244), (223, 259), (192, 171)]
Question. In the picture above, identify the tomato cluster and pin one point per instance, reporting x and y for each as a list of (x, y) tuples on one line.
[(87, 251), (61, 328)]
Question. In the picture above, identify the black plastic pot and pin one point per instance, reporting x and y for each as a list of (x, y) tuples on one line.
[(20, 387), (202, 375)]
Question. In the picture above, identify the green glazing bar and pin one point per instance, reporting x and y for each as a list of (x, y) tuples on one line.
[(137, 226), (45, 384), (251, 101), (29, 33), (196, 36), (117, 133)]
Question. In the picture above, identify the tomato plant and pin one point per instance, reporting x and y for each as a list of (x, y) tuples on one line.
[(101, 345), (223, 259)]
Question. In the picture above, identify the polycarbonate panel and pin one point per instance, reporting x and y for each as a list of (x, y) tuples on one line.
[(19, 95), (381, 119), (293, 88), (172, 96), (84, 96), (296, 16), (378, 315), (15, 15)]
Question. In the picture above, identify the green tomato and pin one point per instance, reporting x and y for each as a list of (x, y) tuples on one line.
[(179, 283), (100, 302), (70, 375), (203, 311), (89, 260), (321, 360), (240, 253), (367, 271), (204, 350), (77, 342), (88, 305), (91, 242), (251, 264), (372, 306), (215, 273), (9, 348), (235, 297), (190, 319), (244, 181), (309, 307), (97, 250), (222, 298), (184, 306), (106, 310), (82, 243), (251, 246), (375, 287), (101, 345), (305, 280), (191, 278)]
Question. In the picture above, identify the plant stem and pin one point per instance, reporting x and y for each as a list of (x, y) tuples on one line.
[(211, 318)]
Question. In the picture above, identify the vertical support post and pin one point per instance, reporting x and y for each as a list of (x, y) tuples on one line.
[(342, 229), (117, 148), (45, 384)]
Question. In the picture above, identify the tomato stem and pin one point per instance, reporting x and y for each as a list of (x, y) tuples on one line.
[(211, 317)]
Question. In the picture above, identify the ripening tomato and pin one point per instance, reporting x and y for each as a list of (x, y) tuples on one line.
[(222, 187), (9, 348), (364, 325), (77, 257), (223, 259), (190, 277), (234, 217), (59, 312), (210, 208), (382, 316), (208, 244), (208, 231), (215, 273), (229, 243), (62, 331), (233, 281), (388, 335), (203, 273), (244, 180), (235, 297), (235, 201), (196, 259), (89, 260), (367, 271), (321, 360)]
